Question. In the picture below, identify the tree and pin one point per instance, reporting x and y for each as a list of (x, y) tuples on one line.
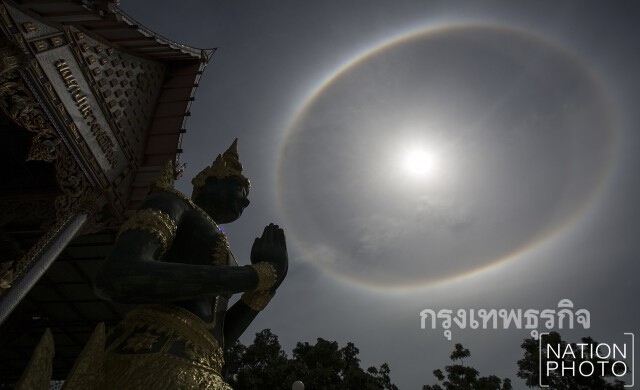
[(569, 355), (461, 377), (323, 365), (262, 365)]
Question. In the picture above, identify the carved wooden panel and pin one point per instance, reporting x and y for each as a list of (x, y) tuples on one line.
[(128, 85)]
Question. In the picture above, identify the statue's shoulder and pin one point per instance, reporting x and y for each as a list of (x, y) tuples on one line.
[(169, 201), (167, 195), (164, 197)]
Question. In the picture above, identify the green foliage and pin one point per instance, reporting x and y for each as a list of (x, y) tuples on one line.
[(461, 377), (324, 365), (459, 352), (529, 366)]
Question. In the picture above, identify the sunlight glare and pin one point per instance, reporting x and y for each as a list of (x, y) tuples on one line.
[(419, 162)]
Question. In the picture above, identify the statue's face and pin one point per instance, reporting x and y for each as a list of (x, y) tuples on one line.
[(224, 200)]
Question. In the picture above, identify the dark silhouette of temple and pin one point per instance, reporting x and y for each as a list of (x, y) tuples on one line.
[(93, 106)]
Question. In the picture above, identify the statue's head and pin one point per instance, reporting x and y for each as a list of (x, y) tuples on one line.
[(221, 189)]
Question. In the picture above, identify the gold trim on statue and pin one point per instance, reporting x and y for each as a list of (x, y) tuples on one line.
[(225, 165), (267, 275), (156, 222), (257, 300)]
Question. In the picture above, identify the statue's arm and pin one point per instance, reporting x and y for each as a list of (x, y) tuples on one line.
[(271, 247), (236, 321), (132, 272)]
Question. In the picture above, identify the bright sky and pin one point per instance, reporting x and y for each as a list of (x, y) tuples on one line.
[(426, 155)]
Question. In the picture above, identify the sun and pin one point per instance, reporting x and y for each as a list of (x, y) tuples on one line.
[(419, 162)]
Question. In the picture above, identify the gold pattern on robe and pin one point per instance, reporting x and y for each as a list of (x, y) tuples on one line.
[(141, 341), (156, 222), (186, 357)]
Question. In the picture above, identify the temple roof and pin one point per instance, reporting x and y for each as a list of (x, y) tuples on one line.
[(104, 21), (62, 299)]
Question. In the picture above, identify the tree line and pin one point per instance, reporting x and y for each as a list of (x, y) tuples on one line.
[(327, 366)]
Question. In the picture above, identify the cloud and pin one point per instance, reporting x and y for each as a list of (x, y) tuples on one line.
[(321, 254)]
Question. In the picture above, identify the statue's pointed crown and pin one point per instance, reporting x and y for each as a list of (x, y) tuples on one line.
[(226, 164)]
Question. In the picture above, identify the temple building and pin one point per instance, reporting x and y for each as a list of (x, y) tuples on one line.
[(93, 105)]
